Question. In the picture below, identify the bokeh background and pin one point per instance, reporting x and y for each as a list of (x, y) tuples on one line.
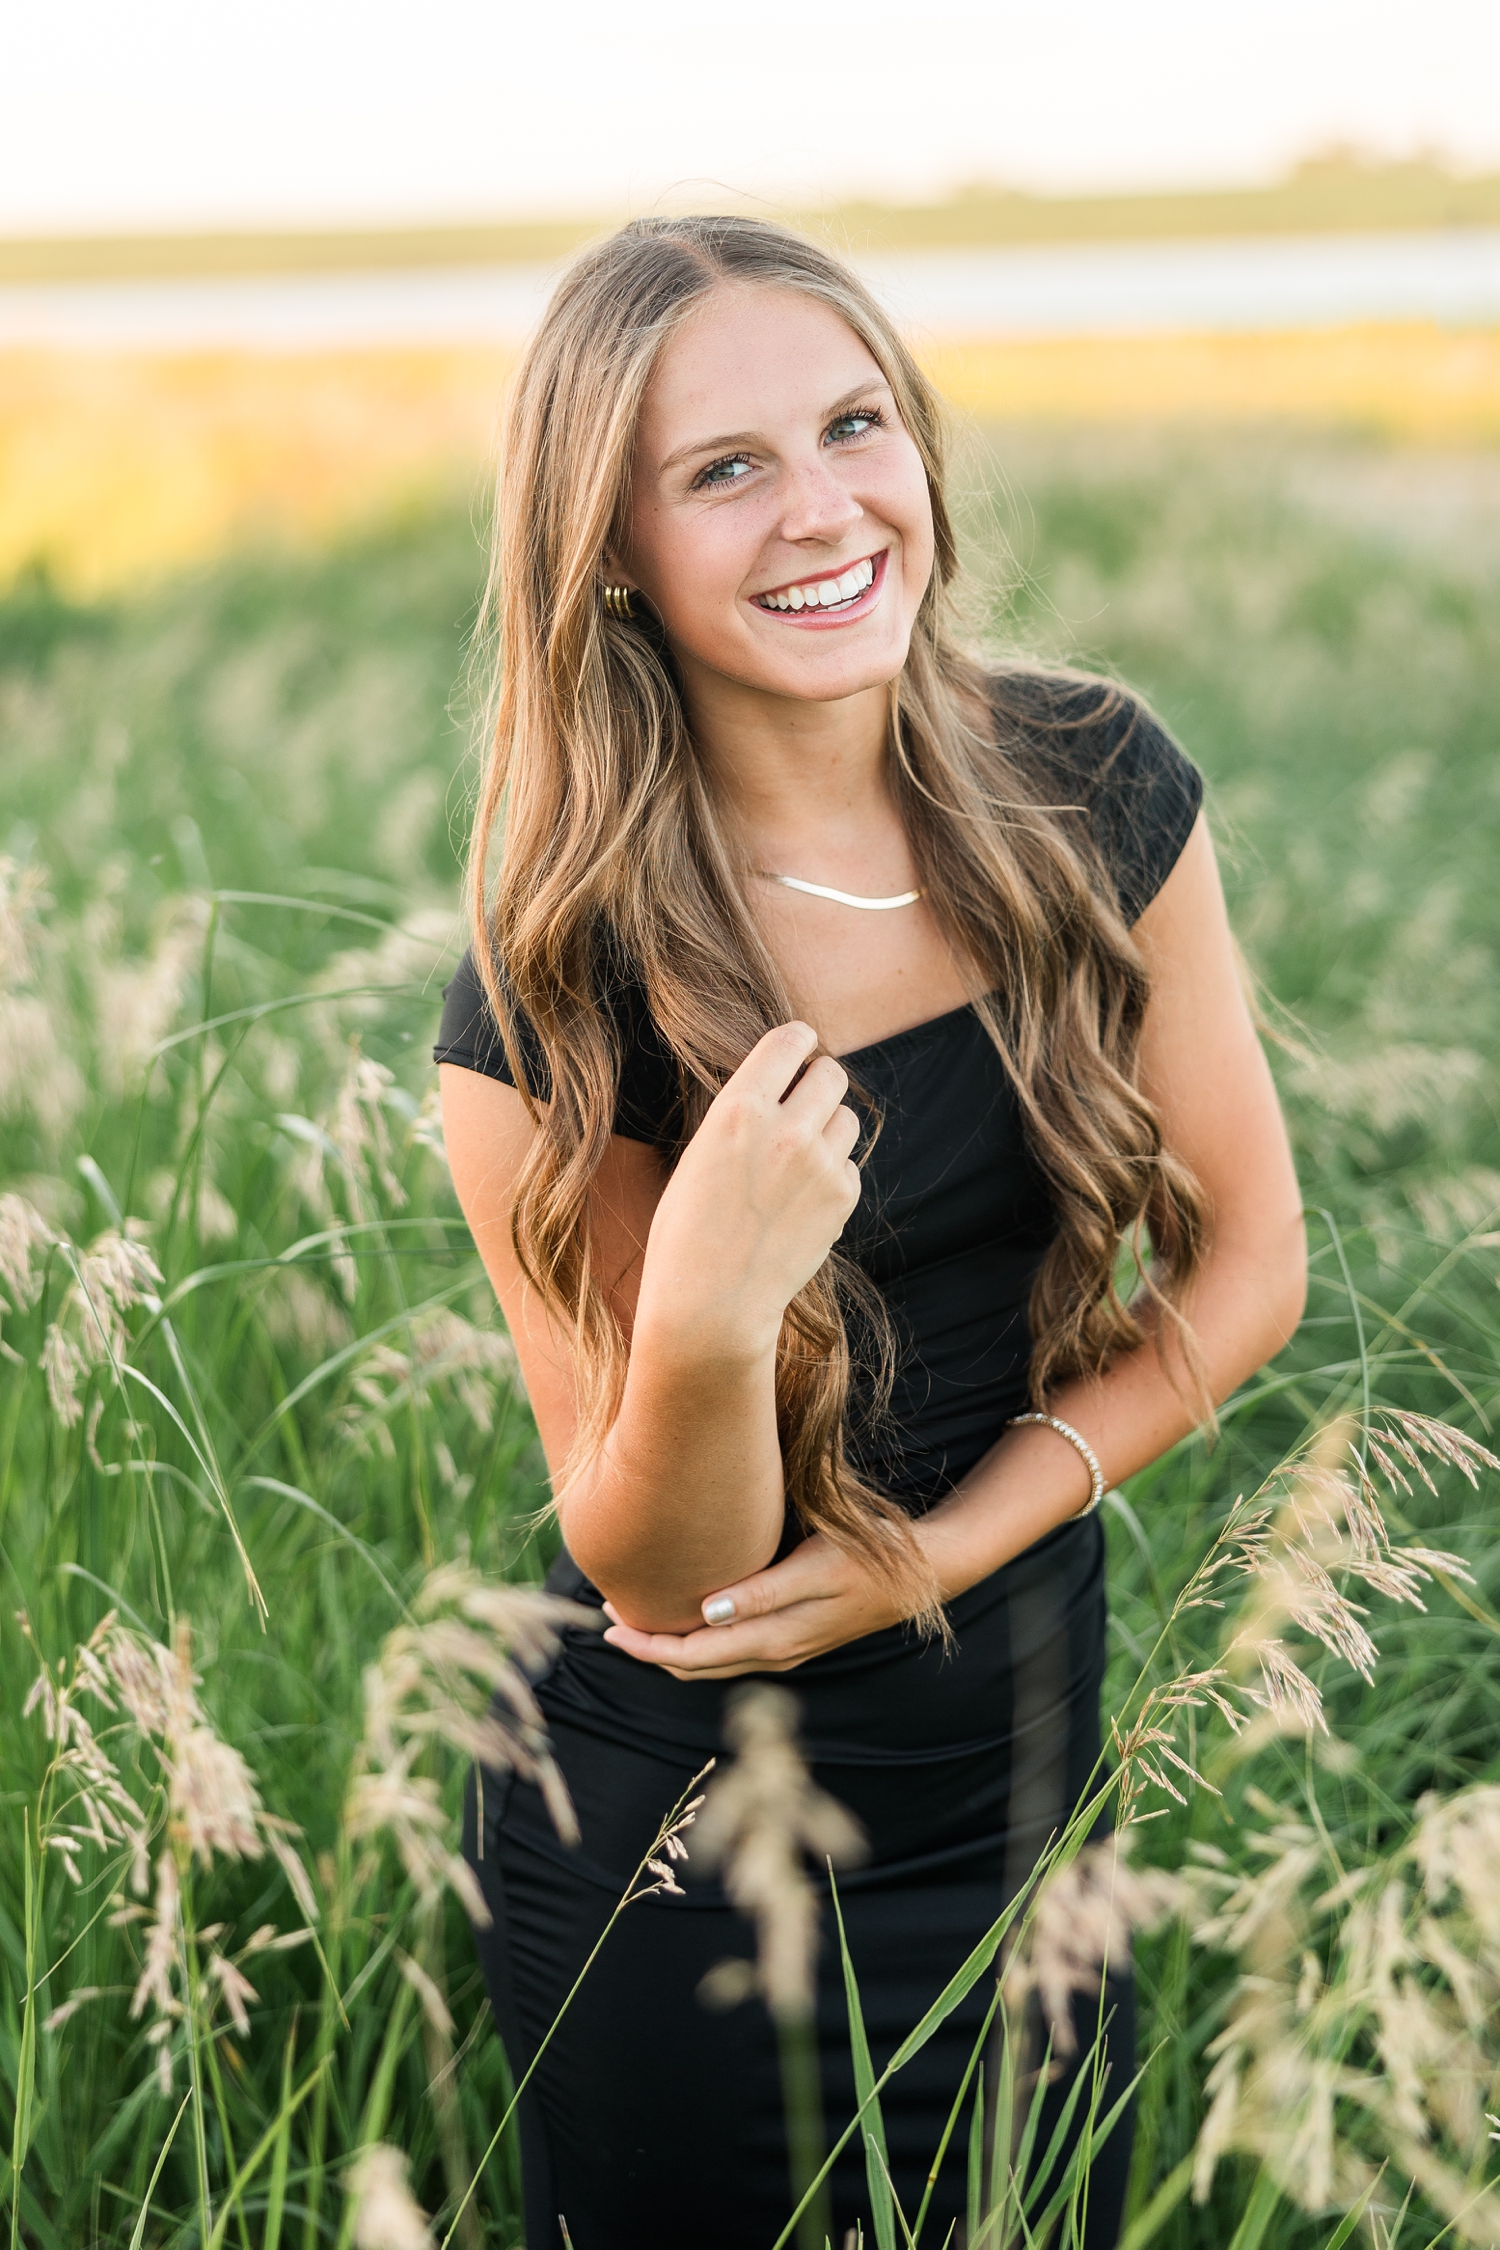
[(1215, 296)]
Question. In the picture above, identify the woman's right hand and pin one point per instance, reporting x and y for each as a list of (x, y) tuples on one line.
[(759, 1197)]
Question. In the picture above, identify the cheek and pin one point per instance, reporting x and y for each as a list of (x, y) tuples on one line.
[(689, 569), (909, 507)]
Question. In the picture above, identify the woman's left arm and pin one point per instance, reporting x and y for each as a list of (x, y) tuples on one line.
[(1202, 1066)]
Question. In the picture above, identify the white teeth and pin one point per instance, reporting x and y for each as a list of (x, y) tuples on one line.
[(827, 593)]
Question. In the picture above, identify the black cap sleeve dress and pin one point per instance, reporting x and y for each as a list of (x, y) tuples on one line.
[(655, 2123)]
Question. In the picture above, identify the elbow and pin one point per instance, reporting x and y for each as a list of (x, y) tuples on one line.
[(595, 1552), (1281, 1290), (603, 1566), (634, 1578), (1255, 1291), (1293, 1298)]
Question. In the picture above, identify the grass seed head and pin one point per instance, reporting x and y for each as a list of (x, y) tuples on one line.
[(387, 2216), (236, 1989), (434, 2006), (1079, 1925), (136, 1001), (162, 1959), (762, 1815), (25, 1238), (116, 1273), (461, 1679), (214, 1800)]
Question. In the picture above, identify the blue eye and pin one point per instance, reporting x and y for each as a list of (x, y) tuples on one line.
[(855, 425), (723, 472)]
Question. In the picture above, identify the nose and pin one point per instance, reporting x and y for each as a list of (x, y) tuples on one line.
[(818, 507)]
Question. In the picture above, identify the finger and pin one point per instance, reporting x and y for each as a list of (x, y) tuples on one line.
[(774, 1062), (802, 1576), (818, 1092), (737, 1671), (841, 1133), (755, 1646), (650, 1648)]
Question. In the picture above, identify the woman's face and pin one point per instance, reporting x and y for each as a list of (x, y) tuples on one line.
[(780, 524)]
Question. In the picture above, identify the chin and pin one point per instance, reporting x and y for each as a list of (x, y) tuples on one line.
[(815, 672), (832, 682)]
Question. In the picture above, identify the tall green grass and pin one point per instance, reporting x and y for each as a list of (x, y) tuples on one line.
[(245, 793)]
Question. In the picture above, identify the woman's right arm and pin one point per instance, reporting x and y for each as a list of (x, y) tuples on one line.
[(686, 1493)]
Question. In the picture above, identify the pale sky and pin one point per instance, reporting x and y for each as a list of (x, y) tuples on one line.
[(174, 113)]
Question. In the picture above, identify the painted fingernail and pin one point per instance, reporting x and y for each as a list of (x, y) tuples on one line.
[(719, 1611)]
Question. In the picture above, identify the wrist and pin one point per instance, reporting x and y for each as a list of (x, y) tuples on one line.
[(671, 1334), (953, 1537), (693, 1348), (1080, 1444), (1029, 1484)]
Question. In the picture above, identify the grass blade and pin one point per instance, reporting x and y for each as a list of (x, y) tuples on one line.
[(138, 2231), (276, 2193), (871, 2123), (1147, 2225), (1258, 2214), (275, 2134), (26, 2067), (956, 2110), (1353, 2218)]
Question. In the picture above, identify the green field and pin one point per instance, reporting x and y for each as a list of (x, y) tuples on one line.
[(231, 812)]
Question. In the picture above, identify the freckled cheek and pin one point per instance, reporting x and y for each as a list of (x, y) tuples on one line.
[(699, 580)]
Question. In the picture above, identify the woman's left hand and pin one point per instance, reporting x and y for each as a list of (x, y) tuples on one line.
[(817, 1599)]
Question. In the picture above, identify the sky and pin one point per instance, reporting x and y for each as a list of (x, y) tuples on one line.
[(175, 114)]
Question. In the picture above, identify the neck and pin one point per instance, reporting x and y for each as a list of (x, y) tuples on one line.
[(786, 769)]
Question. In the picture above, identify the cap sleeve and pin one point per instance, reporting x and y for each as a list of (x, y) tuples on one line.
[(1098, 748), (649, 1104), (469, 1035)]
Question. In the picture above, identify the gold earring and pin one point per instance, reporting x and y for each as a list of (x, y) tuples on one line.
[(617, 602)]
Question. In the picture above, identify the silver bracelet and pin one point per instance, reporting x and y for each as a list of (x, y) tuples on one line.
[(1081, 1445)]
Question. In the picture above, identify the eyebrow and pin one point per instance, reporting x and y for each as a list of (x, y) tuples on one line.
[(732, 438)]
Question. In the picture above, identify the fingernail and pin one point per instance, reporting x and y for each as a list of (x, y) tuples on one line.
[(719, 1611)]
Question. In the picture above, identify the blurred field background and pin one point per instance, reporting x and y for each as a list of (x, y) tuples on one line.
[(119, 466), (237, 760)]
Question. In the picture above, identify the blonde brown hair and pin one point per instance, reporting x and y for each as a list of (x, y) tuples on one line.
[(615, 866)]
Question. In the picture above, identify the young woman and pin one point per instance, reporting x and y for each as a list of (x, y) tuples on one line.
[(839, 1007)]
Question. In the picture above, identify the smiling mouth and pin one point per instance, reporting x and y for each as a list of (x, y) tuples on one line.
[(831, 595)]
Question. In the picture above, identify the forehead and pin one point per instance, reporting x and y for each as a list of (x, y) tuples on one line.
[(750, 357)]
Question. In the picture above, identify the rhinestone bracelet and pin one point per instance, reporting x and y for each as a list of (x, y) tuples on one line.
[(1081, 1445)]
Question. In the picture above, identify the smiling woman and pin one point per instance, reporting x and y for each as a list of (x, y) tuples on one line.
[(817, 1401), (709, 522)]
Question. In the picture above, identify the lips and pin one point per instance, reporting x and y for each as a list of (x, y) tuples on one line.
[(830, 597)]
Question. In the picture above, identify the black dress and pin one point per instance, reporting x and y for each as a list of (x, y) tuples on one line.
[(653, 2123)]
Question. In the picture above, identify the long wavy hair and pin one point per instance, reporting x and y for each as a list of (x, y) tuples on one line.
[(615, 865)]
